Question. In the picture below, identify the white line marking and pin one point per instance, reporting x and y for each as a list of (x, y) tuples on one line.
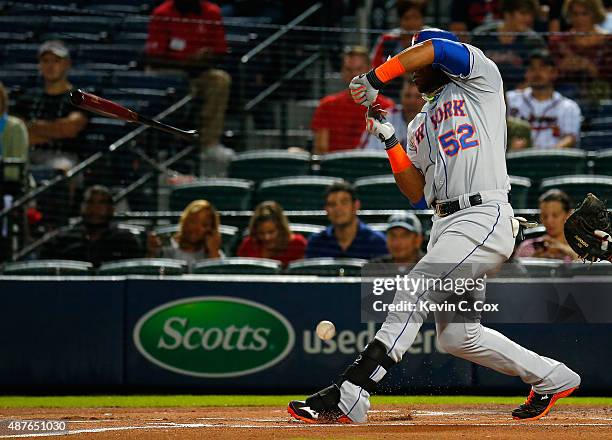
[(298, 425)]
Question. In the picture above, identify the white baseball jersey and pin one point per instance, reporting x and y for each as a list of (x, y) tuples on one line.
[(550, 120), (458, 141)]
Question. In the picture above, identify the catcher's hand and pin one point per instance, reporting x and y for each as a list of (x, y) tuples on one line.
[(589, 229), (377, 125), (362, 91)]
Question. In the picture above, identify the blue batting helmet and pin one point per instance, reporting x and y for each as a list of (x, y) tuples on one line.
[(428, 34)]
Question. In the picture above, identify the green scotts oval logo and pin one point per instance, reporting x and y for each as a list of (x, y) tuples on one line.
[(214, 336)]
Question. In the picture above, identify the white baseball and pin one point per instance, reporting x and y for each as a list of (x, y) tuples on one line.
[(326, 330)]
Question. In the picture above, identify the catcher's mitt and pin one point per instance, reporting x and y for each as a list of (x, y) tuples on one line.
[(588, 230)]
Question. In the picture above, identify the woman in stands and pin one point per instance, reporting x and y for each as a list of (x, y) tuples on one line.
[(584, 54), (555, 208), (270, 236), (198, 236)]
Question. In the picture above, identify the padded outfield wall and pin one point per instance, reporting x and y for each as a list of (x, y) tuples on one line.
[(256, 333)]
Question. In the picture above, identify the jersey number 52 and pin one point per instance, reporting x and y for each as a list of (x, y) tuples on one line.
[(452, 141)]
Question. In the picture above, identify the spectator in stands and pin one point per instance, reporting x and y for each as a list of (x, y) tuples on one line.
[(198, 237), (554, 119), (347, 236), (188, 35), (584, 55), (519, 134), (466, 15), (510, 41), (96, 240), (54, 124), (270, 236), (555, 208), (13, 145), (337, 122), (400, 116), (411, 15), (404, 239)]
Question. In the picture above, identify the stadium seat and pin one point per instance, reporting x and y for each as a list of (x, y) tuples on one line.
[(109, 53), (111, 129), (224, 194), (84, 23), (531, 268), (268, 164), (48, 267), (237, 265), (135, 23), (85, 78), (304, 229), (157, 100), (15, 37), (380, 192), (595, 140), (296, 193), (601, 124), (73, 38), (120, 8), (328, 267), (144, 266), (24, 23), (151, 80), (577, 187), (540, 164), (351, 165), (14, 79), (600, 268), (519, 191), (21, 53), (603, 162), (229, 236), (131, 38)]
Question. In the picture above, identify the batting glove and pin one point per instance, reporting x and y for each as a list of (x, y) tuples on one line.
[(362, 89), (377, 125)]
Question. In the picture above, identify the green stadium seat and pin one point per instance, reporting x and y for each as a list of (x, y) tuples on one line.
[(599, 268), (603, 162), (531, 268), (519, 192), (229, 236), (577, 187), (540, 164), (327, 267), (48, 267), (380, 192), (224, 194), (269, 164), (144, 266), (296, 193), (351, 165), (237, 265), (305, 230)]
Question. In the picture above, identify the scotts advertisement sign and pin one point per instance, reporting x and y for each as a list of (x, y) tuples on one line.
[(214, 336)]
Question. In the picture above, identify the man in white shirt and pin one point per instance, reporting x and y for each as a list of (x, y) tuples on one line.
[(554, 119)]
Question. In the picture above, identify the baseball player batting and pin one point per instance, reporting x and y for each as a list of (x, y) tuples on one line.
[(455, 160)]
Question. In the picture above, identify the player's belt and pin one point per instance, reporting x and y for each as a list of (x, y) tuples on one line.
[(447, 208)]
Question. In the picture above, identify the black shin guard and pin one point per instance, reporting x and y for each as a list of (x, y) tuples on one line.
[(360, 372), (326, 401)]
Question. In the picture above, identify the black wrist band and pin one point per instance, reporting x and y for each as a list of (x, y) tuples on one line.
[(391, 142), (374, 81)]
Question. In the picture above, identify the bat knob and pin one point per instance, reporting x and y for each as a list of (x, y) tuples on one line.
[(77, 97)]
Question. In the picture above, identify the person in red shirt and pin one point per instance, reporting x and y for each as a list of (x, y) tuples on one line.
[(337, 122), (270, 236), (188, 35), (411, 19)]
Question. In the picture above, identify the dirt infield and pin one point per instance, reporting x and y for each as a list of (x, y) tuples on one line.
[(386, 422)]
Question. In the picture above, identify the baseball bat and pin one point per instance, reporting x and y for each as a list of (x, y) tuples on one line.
[(110, 109)]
